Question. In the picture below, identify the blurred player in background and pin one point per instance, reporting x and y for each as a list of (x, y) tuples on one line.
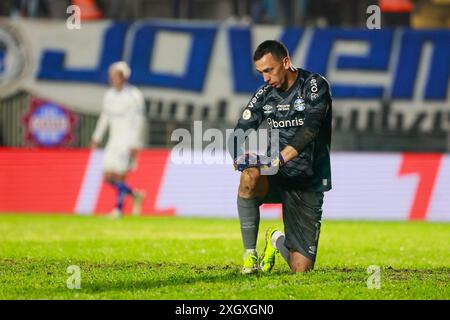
[(298, 103), (123, 113)]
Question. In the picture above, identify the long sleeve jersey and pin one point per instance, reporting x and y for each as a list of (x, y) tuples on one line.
[(123, 113), (302, 114)]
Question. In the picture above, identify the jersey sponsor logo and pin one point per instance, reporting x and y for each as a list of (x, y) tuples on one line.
[(285, 123), (283, 107), (246, 114), (299, 104), (313, 83), (256, 97), (267, 108)]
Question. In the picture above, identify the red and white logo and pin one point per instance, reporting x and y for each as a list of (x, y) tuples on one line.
[(48, 124)]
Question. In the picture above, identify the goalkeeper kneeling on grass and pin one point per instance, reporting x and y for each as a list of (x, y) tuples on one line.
[(297, 103)]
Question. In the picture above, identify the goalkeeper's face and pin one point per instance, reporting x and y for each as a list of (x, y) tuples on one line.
[(274, 70)]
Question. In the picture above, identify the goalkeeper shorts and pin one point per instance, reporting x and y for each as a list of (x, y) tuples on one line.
[(302, 214)]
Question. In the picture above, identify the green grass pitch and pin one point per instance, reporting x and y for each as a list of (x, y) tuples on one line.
[(193, 258)]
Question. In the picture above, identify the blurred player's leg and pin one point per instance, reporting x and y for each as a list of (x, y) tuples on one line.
[(122, 190), (117, 163), (117, 182), (138, 197)]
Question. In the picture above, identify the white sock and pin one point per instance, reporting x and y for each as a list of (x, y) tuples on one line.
[(274, 238)]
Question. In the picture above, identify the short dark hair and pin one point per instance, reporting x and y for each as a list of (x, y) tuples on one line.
[(276, 48)]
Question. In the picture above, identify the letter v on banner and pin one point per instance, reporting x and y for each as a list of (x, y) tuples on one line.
[(426, 166)]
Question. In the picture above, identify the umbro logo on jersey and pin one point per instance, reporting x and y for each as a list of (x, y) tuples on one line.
[(267, 108)]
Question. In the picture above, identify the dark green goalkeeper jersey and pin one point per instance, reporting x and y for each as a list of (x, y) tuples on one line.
[(302, 115)]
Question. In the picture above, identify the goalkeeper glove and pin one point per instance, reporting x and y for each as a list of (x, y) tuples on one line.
[(252, 160), (247, 160)]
